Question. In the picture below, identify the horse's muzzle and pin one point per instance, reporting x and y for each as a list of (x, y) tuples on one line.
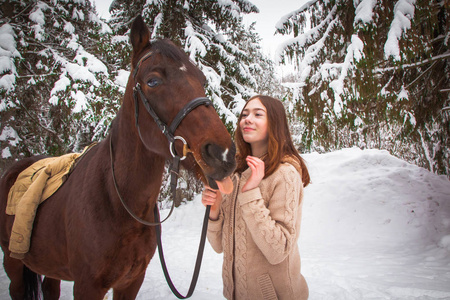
[(221, 163)]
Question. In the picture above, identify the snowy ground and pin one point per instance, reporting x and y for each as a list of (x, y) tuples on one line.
[(374, 227)]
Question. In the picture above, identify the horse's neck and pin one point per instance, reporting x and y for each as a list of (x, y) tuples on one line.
[(138, 170)]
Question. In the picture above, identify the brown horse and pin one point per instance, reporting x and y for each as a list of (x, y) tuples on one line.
[(83, 233)]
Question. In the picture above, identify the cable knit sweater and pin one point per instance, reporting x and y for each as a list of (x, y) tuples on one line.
[(258, 231)]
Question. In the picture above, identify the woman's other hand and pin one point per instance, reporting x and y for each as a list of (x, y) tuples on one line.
[(256, 165)]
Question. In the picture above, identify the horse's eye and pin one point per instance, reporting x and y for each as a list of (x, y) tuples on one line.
[(154, 82)]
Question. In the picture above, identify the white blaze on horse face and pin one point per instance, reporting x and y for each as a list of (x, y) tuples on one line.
[(224, 155), (183, 68)]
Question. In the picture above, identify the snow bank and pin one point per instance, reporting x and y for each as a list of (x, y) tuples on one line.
[(374, 227), (371, 198)]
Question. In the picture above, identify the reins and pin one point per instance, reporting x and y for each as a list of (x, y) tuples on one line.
[(169, 132)]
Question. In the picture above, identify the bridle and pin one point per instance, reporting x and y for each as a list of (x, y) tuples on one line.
[(169, 132)]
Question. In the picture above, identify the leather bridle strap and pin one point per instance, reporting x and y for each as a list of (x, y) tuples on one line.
[(168, 131), (198, 261), (130, 212), (186, 110), (161, 125)]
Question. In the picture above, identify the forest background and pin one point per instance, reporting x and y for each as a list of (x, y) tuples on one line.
[(367, 73)]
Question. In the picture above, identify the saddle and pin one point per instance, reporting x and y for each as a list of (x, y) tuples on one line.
[(33, 186)]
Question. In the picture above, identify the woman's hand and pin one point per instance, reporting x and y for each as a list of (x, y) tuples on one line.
[(214, 198), (257, 167)]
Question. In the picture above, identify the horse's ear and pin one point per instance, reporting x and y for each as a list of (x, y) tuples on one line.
[(139, 35)]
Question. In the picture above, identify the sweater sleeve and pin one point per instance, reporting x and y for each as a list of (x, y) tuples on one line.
[(214, 233), (273, 227)]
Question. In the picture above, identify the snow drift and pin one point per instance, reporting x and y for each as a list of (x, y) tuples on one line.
[(374, 227)]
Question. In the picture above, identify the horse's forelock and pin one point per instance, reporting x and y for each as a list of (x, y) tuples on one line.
[(169, 49)]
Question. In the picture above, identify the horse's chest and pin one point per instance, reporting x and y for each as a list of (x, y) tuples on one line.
[(127, 265), (132, 254)]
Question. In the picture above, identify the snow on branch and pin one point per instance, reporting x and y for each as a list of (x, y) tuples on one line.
[(157, 22), (354, 53), (194, 42), (364, 11), (306, 37), (229, 7), (309, 36), (38, 17), (285, 19), (313, 50), (8, 52), (403, 13)]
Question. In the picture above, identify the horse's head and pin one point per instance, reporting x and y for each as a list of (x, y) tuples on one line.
[(165, 84)]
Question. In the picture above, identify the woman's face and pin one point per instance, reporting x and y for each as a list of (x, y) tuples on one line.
[(253, 124)]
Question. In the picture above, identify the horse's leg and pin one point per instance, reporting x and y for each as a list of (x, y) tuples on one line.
[(24, 282), (51, 288), (130, 292), (14, 269), (88, 290)]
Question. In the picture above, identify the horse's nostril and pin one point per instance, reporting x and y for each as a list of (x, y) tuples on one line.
[(212, 152)]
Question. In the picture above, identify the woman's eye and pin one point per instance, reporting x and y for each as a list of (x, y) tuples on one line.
[(154, 82)]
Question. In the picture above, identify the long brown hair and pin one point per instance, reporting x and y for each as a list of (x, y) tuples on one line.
[(280, 143)]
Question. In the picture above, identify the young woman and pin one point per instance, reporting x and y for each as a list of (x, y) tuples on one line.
[(257, 225)]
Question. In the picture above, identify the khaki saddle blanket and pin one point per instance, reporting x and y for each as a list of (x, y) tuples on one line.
[(33, 186)]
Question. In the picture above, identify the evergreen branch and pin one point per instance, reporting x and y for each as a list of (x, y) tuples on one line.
[(36, 75), (421, 75), (302, 39), (25, 9), (417, 64), (34, 119)]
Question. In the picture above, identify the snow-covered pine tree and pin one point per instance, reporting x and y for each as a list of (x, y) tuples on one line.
[(55, 93), (373, 73), (213, 35)]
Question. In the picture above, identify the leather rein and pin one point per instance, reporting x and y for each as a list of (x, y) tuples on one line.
[(169, 132)]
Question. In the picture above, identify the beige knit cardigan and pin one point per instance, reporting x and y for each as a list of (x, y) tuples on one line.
[(258, 232)]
